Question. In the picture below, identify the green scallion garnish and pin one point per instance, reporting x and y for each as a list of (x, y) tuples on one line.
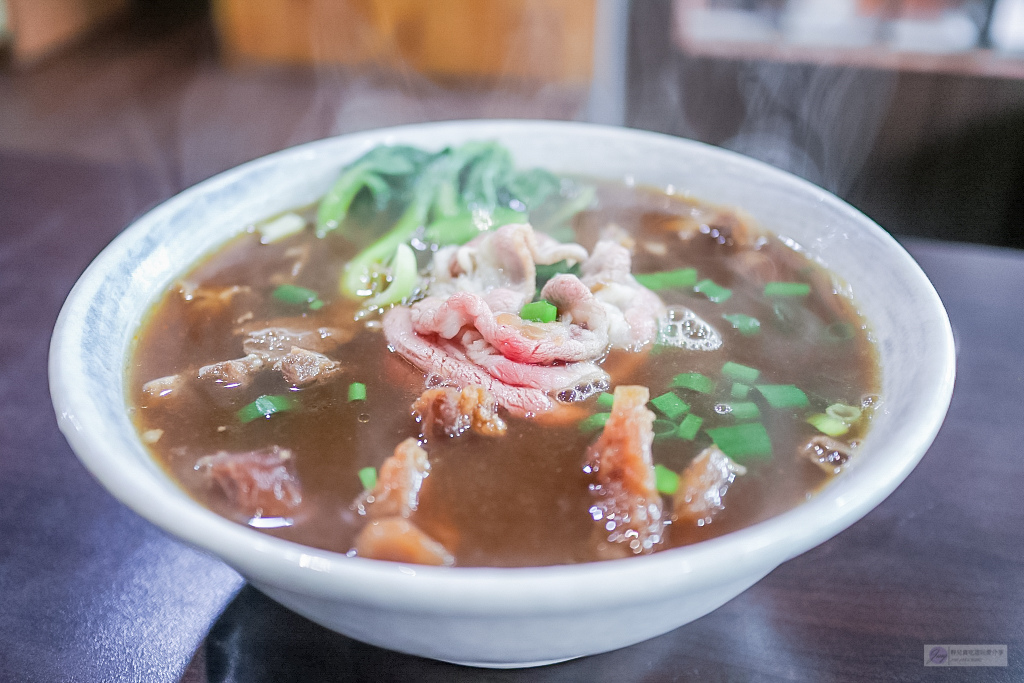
[(744, 410), (713, 291), (605, 399), (826, 424), (668, 279), (689, 427), (693, 380), (663, 429), (670, 405), (594, 422), (787, 289), (265, 406), (843, 412), (368, 476), (356, 392), (666, 481), (742, 440), (783, 395), (740, 373), (739, 390), (539, 312), (299, 296), (746, 324)]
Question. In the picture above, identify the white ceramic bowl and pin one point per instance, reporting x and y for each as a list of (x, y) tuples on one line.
[(503, 617)]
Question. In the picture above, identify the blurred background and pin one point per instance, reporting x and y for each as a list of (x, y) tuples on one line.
[(912, 110)]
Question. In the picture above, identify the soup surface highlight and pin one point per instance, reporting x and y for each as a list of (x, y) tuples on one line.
[(742, 380)]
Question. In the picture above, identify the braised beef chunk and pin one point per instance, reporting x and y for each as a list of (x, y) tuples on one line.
[(626, 504), (703, 485), (232, 373), (452, 412), (302, 368), (827, 453), (398, 540), (259, 483), (163, 386), (274, 340), (397, 491)]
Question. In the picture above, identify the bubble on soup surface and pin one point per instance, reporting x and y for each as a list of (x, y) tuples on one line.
[(681, 327)]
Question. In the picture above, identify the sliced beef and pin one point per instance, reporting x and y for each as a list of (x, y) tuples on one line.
[(259, 483), (514, 338), (831, 455), (520, 388), (632, 309), (703, 485), (452, 412), (274, 341), (396, 539), (302, 367), (232, 373), (505, 258), (626, 504), (398, 485)]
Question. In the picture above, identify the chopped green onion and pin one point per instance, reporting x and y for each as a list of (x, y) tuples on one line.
[(539, 312), (689, 427), (740, 373), (744, 410), (669, 279), (695, 381), (843, 412), (293, 294), (666, 481), (670, 405), (826, 424), (546, 272), (742, 440), (744, 323), (739, 390), (594, 422), (605, 400), (787, 289), (265, 406), (713, 291), (368, 476), (356, 392), (783, 395), (664, 428)]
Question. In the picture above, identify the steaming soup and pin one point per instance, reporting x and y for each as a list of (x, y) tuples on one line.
[(638, 372)]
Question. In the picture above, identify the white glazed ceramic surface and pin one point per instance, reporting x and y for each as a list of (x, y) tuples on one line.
[(503, 617)]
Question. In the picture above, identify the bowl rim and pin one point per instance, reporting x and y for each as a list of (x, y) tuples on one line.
[(483, 590)]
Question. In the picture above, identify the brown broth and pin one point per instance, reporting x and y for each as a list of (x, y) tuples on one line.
[(516, 500)]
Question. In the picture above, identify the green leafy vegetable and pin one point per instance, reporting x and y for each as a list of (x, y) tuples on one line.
[(404, 278), (546, 272), (293, 294)]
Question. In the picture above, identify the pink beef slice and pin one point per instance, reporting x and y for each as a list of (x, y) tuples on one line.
[(703, 485), (626, 504), (445, 411), (398, 486), (503, 259), (521, 388), (259, 483), (632, 309), (514, 338)]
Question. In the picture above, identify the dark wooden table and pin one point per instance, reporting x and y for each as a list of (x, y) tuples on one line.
[(90, 592)]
